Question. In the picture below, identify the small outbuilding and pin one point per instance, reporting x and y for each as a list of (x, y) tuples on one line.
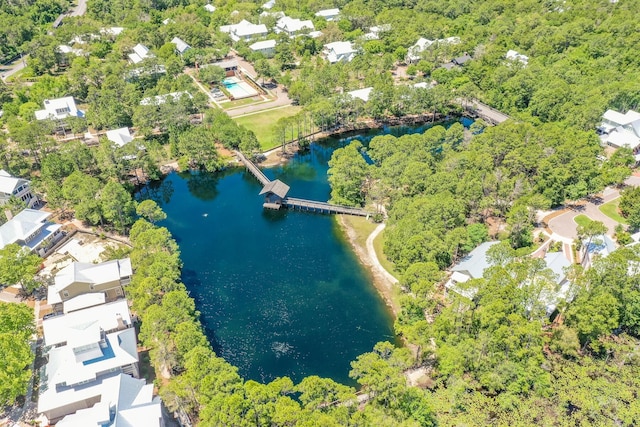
[(274, 193)]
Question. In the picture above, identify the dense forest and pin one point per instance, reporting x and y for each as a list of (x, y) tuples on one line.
[(497, 359)]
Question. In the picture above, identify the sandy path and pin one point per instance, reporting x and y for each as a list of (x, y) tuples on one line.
[(382, 279)]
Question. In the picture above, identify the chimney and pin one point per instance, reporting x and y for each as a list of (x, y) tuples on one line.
[(121, 324), (8, 214)]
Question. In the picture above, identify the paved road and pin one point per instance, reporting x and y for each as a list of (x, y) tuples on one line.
[(80, 9), (14, 67), (565, 226)]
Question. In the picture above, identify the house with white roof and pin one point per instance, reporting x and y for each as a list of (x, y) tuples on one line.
[(598, 246), (293, 26), (30, 229), (266, 47), (329, 14), (58, 109), (140, 53), (244, 30), (470, 267), (414, 53), (339, 52), (181, 45), (64, 49), (269, 5), (375, 32), (79, 278), (81, 348), (209, 8), (112, 31), (362, 94), (161, 99), (120, 137), (512, 55), (622, 130), (558, 263), (20, 188), (123, 401), (168, 21)]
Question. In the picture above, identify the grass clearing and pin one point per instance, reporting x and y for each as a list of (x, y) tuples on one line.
[(239, 103), (262, 124), (582, 220), (610, 209)]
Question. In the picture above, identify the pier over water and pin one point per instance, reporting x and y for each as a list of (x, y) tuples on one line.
[(275, 193)]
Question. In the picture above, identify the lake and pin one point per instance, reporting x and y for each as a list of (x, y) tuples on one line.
[(280, 293)]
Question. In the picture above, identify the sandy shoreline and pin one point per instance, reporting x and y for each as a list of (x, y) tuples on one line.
[(383, 282)]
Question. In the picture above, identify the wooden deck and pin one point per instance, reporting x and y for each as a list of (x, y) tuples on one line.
[(251, 167), (301, 204), (322, 207)]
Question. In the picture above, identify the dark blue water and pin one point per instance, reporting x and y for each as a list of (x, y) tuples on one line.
[(280, 292)]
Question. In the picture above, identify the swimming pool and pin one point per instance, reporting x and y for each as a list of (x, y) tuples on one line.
[(238, 88)]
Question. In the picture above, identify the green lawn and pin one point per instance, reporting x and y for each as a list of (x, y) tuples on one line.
[(610, 209), (262, 125), (582, 220), (239, 103)]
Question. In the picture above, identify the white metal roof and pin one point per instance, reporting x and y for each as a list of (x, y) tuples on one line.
[(475, 263), (181, 45), (120, 136), (361, 93), (23, 225), (265, 44), (9, 183), (77, 326)]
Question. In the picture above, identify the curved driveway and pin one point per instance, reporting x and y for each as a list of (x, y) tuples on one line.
[(565, 226)]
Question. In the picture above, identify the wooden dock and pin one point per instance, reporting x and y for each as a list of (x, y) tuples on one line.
[(255, 170), (276, 197), (322, 207)]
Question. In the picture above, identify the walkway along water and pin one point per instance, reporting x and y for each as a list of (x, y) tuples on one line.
[(276, 195)]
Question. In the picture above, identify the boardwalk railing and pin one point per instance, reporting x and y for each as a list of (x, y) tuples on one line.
[(322, 207), (302, 204), (255, 170)]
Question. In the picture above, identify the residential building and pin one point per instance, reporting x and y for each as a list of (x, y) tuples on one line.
[(82, 347), (558, 263), (512, 55), (269, 5), (79, 278), (140, 53), (181, 45), (123, 401), (266, 47), (58, 109), (597, 246), (470, 267), (293, 26), (161, 99), (622, 130), (112, 31), (245, 30), (120, 137), (209, 8), (64, 49), (20, 188), (461, 60), (376, 32), (168, 21), (339, 52), (329, 14), (362, 94), (230, 66), (414, 53), (31, 230)]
